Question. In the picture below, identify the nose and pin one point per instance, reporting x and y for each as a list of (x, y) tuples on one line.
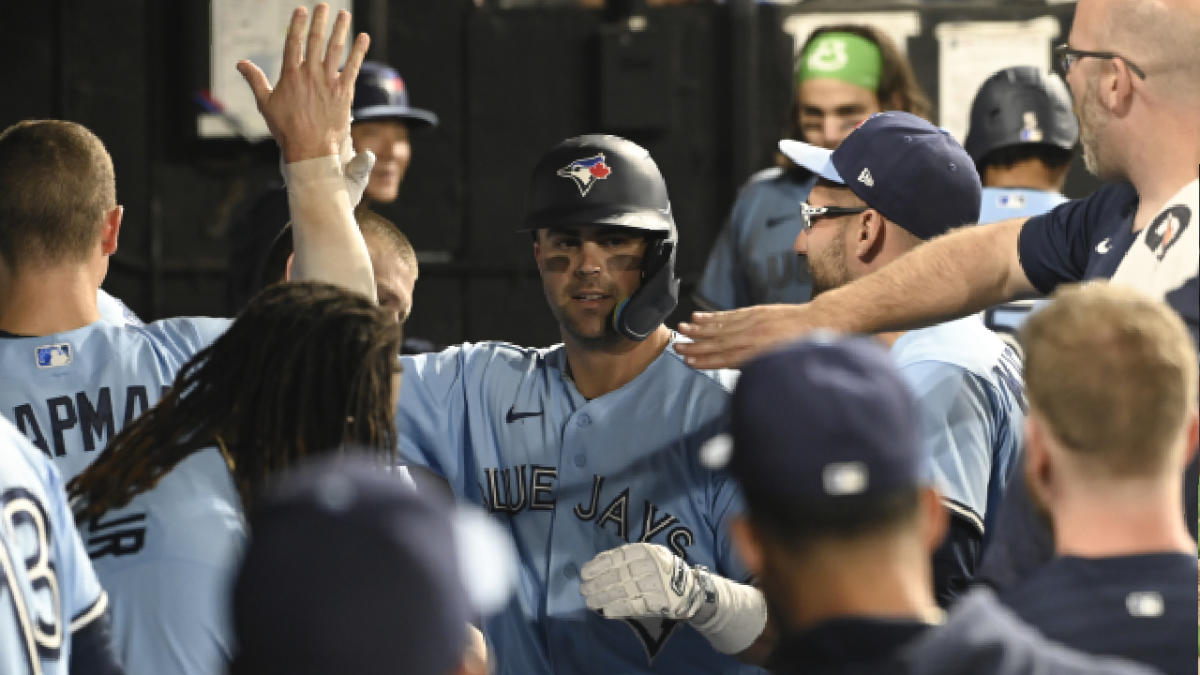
[(591, 259), (800, 246)]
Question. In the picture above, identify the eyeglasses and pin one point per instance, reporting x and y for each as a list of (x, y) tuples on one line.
[(1065, 56), (808, 212)]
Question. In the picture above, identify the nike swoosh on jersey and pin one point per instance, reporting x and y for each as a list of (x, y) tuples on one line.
[(1103, 247), (513, 415)]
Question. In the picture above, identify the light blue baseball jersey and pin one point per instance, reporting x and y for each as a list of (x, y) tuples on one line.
[(1002, 204), (113, 310), (71, 392), (569, 478), (168, 559), (752, 261), (47, 586), (972, 403)]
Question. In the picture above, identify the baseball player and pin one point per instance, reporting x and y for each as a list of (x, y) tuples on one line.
[(305, 368), (383, 120), (387, 590), (1022, 137), (845, 73), (71, 380), (52, 608), (1105, 463), (591, 444), (839, 534), (967, 380)]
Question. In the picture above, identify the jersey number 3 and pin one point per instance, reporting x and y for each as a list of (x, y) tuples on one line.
[(28, 582)]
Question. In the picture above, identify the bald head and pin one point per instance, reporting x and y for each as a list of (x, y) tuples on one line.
[(1158, 35)]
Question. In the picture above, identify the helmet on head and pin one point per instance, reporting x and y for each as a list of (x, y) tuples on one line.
[(1021, 105), (607, 180)]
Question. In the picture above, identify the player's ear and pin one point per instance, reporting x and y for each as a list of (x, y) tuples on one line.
[(287, 267), (935, 519), (747, 544), (1193, 438), (110, 229), (869, 234), (1038, 469)]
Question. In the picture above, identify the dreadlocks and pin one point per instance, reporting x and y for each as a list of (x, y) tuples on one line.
[(305, 369)]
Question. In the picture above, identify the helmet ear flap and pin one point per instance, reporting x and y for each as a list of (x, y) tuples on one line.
[(639, 315)]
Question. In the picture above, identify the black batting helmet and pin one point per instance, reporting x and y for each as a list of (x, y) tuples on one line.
[(1019, 106), (600, 179)]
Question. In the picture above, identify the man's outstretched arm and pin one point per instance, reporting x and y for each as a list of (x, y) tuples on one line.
[(956, 274), (308, 113)]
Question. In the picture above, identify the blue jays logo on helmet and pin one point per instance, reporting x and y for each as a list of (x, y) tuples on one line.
[(585, 172)]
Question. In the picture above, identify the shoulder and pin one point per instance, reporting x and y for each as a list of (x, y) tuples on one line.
[(186, 331), (1111, 203), (722, 380), (965, 343)]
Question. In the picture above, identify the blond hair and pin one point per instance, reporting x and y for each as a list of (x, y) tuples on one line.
[(1113, 374), (58, 183)]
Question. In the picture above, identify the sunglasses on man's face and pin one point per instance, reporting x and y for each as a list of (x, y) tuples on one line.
[(808, 212)]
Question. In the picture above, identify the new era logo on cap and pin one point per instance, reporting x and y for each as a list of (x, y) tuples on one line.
[(866, 178)]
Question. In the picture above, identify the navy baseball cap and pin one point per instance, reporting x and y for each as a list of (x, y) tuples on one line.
[(912, 172), (379, 93), (352, 568), (823, 420)]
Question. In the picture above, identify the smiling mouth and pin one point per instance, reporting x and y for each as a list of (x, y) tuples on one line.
[(590, 296)]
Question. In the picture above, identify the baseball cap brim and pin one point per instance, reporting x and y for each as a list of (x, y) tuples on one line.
[(816, 159), (414, 116)]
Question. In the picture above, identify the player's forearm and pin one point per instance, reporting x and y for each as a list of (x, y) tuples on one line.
[(329, 246), (956, 274)]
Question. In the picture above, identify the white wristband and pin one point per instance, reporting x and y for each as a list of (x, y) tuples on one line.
[(738, 618)]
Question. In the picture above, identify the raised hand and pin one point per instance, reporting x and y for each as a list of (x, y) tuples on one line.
[(308, 110)]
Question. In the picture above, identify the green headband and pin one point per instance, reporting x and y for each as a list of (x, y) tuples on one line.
[(842, 56)]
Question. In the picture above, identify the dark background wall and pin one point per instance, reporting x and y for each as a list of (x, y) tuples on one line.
[(705, 87)]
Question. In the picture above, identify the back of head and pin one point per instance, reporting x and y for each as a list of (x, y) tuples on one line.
[(58, 184), (350, 571), (1113, 375), (1022, 112), (825, 444)]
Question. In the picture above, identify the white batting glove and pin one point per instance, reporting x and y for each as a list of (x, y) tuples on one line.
[(642, 580), (356, 168), (647, 580)]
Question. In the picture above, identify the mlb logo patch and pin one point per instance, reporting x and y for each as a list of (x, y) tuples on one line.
[(53, 356)]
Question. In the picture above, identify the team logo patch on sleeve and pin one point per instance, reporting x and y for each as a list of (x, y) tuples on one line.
[(585, 172), (53, 356)]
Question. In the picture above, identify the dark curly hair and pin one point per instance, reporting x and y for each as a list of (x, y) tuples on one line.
[(305, 369)]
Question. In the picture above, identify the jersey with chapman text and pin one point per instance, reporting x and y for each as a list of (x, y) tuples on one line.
[(752, 261), (971, 399), (48, 589), (571, 477), (1141, 607), (1002, 203), (169, 558), (71, 392)]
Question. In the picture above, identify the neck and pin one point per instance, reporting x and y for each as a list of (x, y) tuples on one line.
[(24, 309), (1027, 173), (1122, 518), (1159, 170), (600, 370), (893, 581)]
